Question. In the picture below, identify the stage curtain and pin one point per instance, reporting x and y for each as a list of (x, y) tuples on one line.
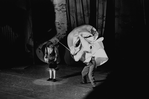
[(91, 12)]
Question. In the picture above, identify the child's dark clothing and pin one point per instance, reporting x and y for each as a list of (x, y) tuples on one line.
[(51, 55)]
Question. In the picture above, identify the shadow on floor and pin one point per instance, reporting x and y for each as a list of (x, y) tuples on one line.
[(120, 85), (71, 75)]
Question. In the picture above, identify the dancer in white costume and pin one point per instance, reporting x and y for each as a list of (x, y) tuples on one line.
[(85, 45)]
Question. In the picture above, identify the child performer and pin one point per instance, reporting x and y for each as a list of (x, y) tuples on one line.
[(51, 56)]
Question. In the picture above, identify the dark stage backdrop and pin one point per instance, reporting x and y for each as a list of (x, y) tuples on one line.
[(130, 29), (43, 20), (91, 12), (16, 33)]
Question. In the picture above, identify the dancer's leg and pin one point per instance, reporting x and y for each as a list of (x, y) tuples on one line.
[(84, 74), (91, 75)]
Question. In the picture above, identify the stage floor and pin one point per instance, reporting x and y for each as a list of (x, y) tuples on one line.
[(30, 82)]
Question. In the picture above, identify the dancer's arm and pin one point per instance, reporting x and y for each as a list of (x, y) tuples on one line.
[(45, 56)]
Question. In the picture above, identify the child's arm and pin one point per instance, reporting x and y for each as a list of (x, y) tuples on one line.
[(45, 56), (56, 53)]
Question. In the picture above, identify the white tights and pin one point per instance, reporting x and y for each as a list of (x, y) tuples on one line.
[(52, 73)]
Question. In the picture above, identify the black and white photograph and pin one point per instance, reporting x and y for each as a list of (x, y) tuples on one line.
[(74, 49)]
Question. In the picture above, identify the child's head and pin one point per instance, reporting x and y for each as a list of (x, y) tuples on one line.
[(49, 44)]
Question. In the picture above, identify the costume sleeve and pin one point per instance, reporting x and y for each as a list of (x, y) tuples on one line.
[(78, 56), (85, 44)]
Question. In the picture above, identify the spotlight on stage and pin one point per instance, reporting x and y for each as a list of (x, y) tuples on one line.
[(44, 82)]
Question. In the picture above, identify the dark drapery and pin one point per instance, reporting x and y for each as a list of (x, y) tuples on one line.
[(43, 20), (16, 33), (91, 12)]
